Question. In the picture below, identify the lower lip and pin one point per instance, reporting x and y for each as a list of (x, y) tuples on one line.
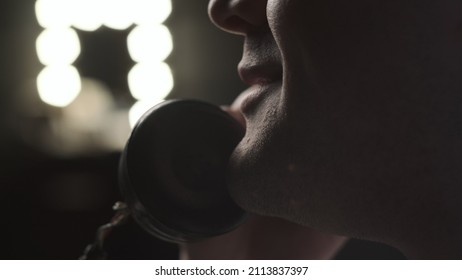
[(255, 95)]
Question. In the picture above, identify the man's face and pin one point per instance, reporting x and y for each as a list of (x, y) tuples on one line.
[(350, 112)]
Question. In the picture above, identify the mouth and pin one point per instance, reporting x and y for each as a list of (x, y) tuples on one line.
[(261, 69), (259, 74), (261, 78)]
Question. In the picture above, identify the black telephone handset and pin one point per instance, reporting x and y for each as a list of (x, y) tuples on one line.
[(172, 171)]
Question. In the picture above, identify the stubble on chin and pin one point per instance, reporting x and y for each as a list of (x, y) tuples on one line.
[(259, 170)]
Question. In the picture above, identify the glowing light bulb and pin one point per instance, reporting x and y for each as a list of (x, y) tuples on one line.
[(53, 13), (138, 109), (86, 15), (118, 14), (151, 11), (150, 81), (58, 85), (58, 46), (150, 43)]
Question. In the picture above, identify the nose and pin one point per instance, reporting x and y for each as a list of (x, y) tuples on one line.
[(238, 16)]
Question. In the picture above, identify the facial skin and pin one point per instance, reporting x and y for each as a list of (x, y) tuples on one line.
[(354, 117)]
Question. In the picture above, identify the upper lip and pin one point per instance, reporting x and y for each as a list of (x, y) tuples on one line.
[(261, 60)]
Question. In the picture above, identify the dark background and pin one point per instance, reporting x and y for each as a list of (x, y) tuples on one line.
[(50, 205)]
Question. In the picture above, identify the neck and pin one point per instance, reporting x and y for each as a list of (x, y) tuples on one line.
[(439, 238), (438, 249)]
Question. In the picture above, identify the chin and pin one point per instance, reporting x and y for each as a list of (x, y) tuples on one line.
[(258, 177), (244, 179), (268, 176)]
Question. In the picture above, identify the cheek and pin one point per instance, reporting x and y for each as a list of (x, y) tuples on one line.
[(352, 124), (340, 41)]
